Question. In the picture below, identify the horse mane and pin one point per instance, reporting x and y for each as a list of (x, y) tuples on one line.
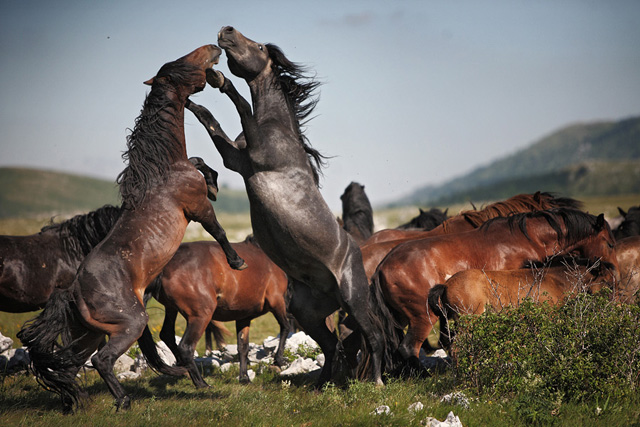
[(517, 204), (80, 234), (152, 145), (356, 210), (578, 225), (299, 91)]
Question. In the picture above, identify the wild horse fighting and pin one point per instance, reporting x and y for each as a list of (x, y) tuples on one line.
[(291, 221), (161, 192)]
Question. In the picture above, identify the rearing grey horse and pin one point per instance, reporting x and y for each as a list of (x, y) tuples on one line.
[(291, 221)]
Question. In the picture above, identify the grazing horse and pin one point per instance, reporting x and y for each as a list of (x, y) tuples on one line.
[(468, 220), (379, 245), (405, 277), (426, 220), (628, 254), (161, 192), (291, 221), (472, 291), (32, 267), (199, 284), (357, 213), (630, 225)]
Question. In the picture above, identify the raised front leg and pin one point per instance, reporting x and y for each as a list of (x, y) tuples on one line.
[(210, 177), (229, 150), (206, 216)]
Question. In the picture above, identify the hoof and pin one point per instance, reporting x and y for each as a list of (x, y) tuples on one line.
[(215, 78), (123, 404), (212, 193), (238, 265)]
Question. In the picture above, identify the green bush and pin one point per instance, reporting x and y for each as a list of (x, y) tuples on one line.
[(586, 349)]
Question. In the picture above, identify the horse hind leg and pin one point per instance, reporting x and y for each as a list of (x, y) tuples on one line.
[(311, 311), (123, 332), (242, 331)]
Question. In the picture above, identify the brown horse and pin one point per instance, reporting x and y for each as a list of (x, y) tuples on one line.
[(472, 291), (161, 192), (199, 284), (405, 277), (628, 253), (468, 220), (32, 267), (290, 219), (378, 246)]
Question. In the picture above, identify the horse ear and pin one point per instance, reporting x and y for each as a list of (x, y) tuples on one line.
[(150, 81), (623, 213), (536, 196), (421, 211), (600, 221)]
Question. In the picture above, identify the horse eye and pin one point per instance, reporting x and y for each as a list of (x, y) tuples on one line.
[(260, 47)]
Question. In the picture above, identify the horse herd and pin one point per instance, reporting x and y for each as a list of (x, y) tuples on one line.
[(94, 273)]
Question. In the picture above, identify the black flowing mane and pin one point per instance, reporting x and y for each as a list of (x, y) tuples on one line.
[(299, 90), (80, 234), (578, 224), (153, 145)]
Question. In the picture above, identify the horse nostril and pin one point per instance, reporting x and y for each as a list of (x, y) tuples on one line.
[(229, 29)]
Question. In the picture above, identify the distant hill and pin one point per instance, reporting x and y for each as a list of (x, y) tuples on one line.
[(35, 193), (591, 159)]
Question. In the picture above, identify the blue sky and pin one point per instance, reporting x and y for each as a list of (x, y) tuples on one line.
[(414, 92)]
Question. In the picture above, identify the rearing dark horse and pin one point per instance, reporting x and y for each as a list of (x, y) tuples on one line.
[(161, 192), (291, 221)]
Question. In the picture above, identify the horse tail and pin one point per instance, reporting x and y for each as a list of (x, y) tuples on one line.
[(49, 342), (383, 316), (219, 332), (438, 303), (150, 352)]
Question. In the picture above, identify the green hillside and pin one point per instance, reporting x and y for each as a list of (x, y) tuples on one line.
[(36, 193), (582, 159)]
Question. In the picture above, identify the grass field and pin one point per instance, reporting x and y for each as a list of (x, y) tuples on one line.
[(270, 400)]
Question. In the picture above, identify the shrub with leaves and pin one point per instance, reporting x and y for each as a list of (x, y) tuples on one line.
[(586, 348)]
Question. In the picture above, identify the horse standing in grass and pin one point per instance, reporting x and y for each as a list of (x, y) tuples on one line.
[(291, 221), (161, 192), (199, 284), (405, 277), (472, 291)]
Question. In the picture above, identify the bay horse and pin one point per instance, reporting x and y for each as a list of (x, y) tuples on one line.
[(357, 213), (161, 192), (407, 274), (630, 225), (472, 291), (470, 219), (291, 221), (33, 266), (199, 284), (628, 254)]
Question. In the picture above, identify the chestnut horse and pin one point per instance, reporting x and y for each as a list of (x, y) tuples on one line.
[(405, 277), (161, 192), (628, 254), (379, 245), (468, 220), (32, 267), (291, 221), (472, 291), (199, 284)]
